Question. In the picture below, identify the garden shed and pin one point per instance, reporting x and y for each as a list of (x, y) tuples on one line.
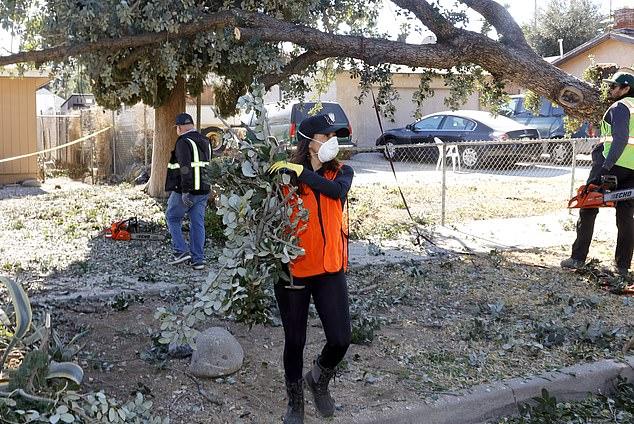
[(18, 123)]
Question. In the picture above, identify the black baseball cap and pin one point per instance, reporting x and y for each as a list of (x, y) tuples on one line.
[(624, 76), (184, 119), (322, 124)]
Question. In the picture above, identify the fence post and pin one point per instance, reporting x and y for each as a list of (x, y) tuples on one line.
[(443, 184), (572, 169), (114, 144), (198, 110), (92, 161)]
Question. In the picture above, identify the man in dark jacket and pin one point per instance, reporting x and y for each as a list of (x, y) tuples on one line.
[(189, 193), (617, 158)]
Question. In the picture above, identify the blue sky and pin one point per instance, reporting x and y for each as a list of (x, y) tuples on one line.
[(522, 11)]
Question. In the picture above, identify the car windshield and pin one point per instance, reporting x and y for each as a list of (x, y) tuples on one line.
[(515, 106), (302, 111)]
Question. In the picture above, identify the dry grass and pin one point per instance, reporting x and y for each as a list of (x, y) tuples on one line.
[(378, 210)]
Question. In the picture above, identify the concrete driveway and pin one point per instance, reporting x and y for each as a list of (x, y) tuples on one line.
[(373, 168)]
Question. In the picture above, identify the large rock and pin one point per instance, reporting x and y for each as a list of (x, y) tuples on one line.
[(217, 353)]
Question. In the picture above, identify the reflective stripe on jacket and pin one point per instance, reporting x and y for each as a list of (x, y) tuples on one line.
[(324, 237), (626, 159), (191, 154)]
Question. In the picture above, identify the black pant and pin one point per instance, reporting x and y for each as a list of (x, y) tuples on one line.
[(624, 217), (330, 295)]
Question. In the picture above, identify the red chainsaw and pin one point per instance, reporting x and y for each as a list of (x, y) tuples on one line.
[(128, 229), (600, 195)]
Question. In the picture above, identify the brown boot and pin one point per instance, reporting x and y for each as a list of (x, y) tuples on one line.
[(317, 381), (295, 410)]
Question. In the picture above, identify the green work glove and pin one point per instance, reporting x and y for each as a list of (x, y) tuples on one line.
[(282, 164)]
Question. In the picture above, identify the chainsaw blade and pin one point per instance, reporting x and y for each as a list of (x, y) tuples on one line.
[(146, 236), (614, 196)]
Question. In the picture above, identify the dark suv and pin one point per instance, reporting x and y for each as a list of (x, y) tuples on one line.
[(284, 121), (550, 124)]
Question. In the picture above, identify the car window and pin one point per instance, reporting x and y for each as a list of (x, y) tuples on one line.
[(303, 110), (544, 107), (519, 107), (514, 107), (457, 123), (431, 123), (277, 115), (557, 111)]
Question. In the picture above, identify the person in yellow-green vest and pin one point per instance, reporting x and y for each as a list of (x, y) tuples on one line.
[(189, 193), (617, 136)]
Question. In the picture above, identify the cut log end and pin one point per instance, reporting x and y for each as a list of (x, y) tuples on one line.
[(570, 96)]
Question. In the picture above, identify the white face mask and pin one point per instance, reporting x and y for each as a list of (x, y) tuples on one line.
[(328, 150)]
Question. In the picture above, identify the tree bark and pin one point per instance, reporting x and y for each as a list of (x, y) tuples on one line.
[(165, 138)]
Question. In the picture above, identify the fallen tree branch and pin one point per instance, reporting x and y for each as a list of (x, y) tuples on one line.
[(456, 48)]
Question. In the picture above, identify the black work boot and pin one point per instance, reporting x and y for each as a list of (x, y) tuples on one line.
[(295, 410), (317, 381)]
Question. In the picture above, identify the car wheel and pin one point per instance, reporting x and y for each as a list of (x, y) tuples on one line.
[(470, 157), (390, 151), (215, 136), (561, 153)]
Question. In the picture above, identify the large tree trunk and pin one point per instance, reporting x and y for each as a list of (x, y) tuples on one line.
[(165, 138)]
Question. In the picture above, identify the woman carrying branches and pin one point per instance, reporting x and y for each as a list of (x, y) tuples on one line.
[(322, 183)]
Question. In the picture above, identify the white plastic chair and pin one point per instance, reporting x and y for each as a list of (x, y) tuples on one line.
[(451, 152)]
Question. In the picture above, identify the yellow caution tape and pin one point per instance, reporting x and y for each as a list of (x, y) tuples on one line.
[(61, 146)]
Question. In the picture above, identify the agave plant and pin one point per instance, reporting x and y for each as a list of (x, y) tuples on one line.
[(31, 392), (36, 370)]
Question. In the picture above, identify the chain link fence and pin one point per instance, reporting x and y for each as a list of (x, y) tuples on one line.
[(445, 183), (119, 154)]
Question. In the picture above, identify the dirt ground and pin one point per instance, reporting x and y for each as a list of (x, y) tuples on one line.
[(436, 324), (439, 331)]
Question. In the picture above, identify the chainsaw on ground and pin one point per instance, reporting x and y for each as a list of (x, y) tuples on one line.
[(128, 229), (600, 195)]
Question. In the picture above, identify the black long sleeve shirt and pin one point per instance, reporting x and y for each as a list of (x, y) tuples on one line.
[(335, 189)]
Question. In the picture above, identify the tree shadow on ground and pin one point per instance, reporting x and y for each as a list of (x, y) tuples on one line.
[(18, 191)]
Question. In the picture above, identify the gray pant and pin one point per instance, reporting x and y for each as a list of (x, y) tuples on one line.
[(624, 216)]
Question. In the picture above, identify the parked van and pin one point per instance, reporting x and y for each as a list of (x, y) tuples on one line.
[(283, 121)]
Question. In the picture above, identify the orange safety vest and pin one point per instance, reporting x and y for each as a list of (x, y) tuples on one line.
[(324, 237)]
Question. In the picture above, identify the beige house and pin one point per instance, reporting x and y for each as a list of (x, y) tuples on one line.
[(18, 125), (365, 128), (615, 46)]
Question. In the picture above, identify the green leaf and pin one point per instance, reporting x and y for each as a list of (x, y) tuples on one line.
[(22, 306), (67, 418), (247, 169), (67, 370), (112, 415)]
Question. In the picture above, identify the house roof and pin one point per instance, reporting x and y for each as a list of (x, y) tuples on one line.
[(39, 77), (75, 95), (625, 35)]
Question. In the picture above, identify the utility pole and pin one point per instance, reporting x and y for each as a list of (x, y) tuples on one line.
[(535, 16)]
